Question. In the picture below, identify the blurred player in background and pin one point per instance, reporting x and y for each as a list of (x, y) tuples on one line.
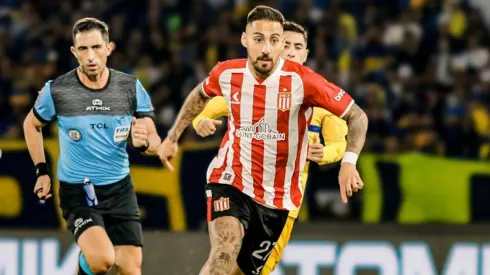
[(332, 128), (254, 181), (97, 108)]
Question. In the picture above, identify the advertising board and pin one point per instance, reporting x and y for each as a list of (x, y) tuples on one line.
[(314, 250)]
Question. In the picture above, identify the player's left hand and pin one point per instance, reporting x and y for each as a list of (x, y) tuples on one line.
[(315, 150), (139, 133), (349, 180)]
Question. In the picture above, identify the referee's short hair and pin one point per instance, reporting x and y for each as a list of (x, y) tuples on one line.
[(87, 24)]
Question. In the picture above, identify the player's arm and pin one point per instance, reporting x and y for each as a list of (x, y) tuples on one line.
[(205, 123), (143, 130), (193, 105), (334, 131), (196, 101), (42, 113), (321, 93)]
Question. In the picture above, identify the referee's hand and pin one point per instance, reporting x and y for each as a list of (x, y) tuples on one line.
[(42, 187), (139, 133)]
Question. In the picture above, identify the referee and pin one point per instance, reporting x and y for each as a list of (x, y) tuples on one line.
[(97, 109)]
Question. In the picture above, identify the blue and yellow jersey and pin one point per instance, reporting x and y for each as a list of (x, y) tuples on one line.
[(332, 128)]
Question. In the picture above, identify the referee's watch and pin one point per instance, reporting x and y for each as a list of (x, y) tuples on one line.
[(42, 169), (143, 149)]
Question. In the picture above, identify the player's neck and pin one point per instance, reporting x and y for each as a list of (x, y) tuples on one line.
[(95, 81), (258, 75)]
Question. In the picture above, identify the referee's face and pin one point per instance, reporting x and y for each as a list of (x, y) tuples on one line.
[(91, 50)]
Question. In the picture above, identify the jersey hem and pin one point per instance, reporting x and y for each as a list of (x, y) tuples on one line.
[(39, 117), (96, 183), (347, 109), (144, 114), (203, 92)]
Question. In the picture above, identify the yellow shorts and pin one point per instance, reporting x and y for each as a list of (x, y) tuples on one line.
[(276, 254)]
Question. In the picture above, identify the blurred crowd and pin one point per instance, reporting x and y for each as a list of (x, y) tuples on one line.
[(420, 69)]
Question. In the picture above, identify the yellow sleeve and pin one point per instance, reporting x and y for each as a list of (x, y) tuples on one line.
[(214, 109), (334, 130), (315, 126)]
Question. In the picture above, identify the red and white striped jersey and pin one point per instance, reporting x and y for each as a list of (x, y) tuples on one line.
[(264, 151)]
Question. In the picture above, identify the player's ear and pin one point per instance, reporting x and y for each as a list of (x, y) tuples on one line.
[(244, 39), (110, 47), (73, 51)]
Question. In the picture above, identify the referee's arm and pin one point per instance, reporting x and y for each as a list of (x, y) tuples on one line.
[(34, 137), (144, 114), (153, 137), (42, 113)]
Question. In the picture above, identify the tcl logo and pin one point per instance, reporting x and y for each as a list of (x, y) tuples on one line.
[(339, 96)]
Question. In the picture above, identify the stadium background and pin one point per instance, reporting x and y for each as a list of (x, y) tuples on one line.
[(420, 69)]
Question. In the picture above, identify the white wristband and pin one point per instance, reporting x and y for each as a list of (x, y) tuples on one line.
[(350, 157)]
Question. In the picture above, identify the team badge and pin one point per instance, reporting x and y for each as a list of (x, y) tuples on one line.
[(284, 101), (75, 135), (222, 204)]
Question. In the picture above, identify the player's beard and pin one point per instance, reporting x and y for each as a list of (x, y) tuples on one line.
[(264, 69)]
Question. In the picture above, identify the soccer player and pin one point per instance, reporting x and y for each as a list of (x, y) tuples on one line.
[(96, 108), (254, 181), (333, 130)]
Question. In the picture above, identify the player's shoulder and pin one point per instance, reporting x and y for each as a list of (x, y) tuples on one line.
[(230, 65), (294, 67)]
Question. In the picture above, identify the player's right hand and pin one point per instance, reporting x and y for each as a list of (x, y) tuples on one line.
[(166, 151), (207, 127), (42, 187)]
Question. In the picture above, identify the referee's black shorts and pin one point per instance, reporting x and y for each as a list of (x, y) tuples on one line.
[(117, 211)]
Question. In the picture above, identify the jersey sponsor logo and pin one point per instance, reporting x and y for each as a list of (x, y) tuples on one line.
[(121, 133), (99, 126), (235, 99), (260, 131), (80, 222), (74, 134), (222, 204), (340, 95), (284, 101), (97, 105)]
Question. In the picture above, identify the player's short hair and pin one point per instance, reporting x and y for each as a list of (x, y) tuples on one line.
[(290, 26), (265, 13), (88, 24)]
